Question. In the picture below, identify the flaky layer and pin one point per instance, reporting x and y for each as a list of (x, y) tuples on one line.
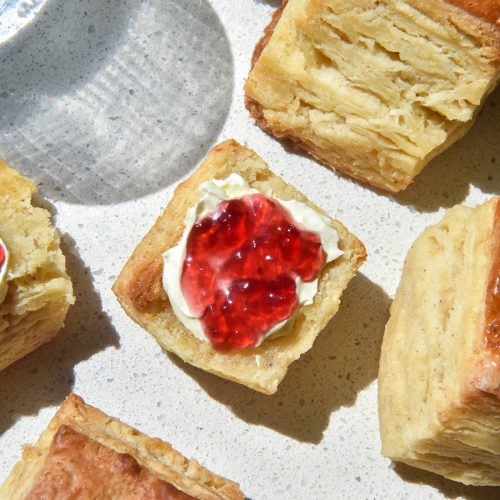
[(439, 381), (374, 89), (139, 287), (155, 455), (39, 290)]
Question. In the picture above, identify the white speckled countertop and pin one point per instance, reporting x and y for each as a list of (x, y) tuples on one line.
[(107, 105)]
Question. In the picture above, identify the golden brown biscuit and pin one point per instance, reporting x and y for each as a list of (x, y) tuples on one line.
[(140, 290), (439, 380), (39, 292), (86, 454), (374, 89)]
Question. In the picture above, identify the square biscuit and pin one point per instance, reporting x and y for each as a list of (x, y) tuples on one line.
[(85, 453), (439, 378), (140, 290), (374, 89)]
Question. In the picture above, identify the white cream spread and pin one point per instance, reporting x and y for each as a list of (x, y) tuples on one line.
[(3, 270), (234, 186)]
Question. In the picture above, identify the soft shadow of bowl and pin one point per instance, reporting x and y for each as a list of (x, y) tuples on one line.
[(343, 360), (103, 102), (450, 489), (46, 376), (16, 15)]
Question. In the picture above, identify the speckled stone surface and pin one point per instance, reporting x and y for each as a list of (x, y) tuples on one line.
[(107, 105)]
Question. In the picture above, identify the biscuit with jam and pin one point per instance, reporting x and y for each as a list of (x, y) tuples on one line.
[(240, 293)]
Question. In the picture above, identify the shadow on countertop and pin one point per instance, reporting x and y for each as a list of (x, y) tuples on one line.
[(104, 102), (46, 376), (343, 361), (450, 489), (272, 3)]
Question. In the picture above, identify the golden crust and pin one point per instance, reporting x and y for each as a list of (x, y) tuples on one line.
[(439, 379), (39, 291), (77, 466), (486, 9), (141, 294), (288, 95), (155, 455), (492, 322)]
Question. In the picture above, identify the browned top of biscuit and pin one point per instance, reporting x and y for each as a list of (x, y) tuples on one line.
[(486, 9), (493, 292), (79, 467), (145, 289)]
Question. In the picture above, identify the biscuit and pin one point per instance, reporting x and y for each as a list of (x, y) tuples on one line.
[(439, 380), (84, 453), (39, 292), (374, 89), (140, 290)]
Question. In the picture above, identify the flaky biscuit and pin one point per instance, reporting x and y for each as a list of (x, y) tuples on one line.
[(39, 291), (140, 291), (132, 453), (374, 89), (439, 380)]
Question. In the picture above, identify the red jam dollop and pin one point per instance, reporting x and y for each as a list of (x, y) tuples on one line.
[(3, 256), (242, 260)]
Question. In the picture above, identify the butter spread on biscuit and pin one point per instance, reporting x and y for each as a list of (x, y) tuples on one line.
[(233, 286), (4, 264)]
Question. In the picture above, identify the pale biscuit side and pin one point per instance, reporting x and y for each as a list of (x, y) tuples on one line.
[(439, 383)]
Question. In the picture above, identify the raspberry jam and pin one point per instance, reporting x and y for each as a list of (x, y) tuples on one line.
[(242, 260), (2, 257)]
